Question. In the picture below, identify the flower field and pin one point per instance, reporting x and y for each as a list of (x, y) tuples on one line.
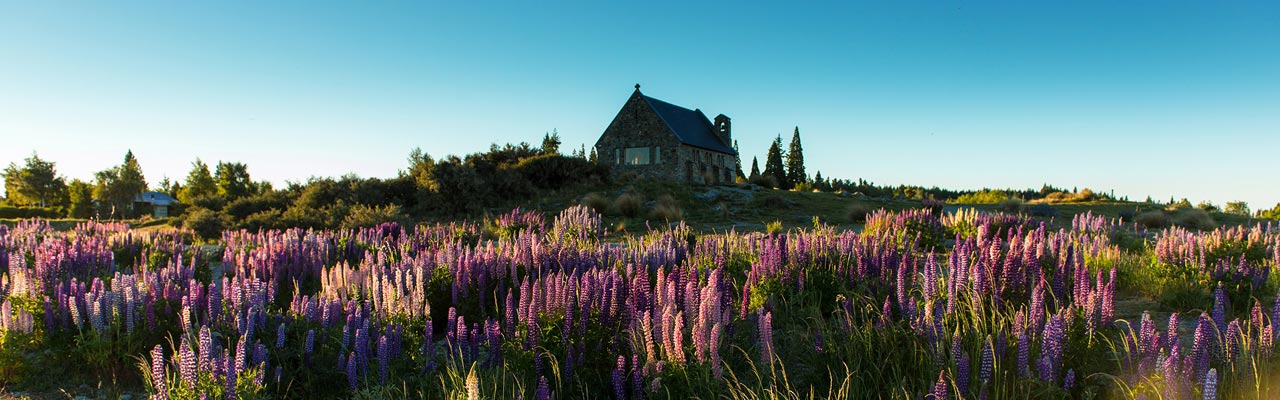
[(917, 306)]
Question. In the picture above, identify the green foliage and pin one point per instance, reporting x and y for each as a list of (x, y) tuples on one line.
[(35, 184), (200, 183), (1273, 213), (795, 161), (29, 212), (80, 195), (986, 196), (117, 187), (1236, 208), (233, 180), (206, 224), (773, 166), (363, 216)]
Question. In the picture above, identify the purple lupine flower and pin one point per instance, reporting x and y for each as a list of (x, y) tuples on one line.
[(351, 371), (1024, 353), (544, 390), (1219, 308), (620, 379), (206, 349), (940, 388), (280, 334), (962, 372), (988, 362), (1231, 343), (187, 363), (233, 371), (1202, 346), (1211, 385), (637, 378), (1070, 381), (309, 346), (384, 359), (1171, 333), (157, 372), (766, 338)]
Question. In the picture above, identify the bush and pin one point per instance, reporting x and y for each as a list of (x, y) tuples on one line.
[(29, 212), (363, 216), (597, 202), (1153, 219), (628, 205), (984, 197), (204, 223), (768, 181), (803, 187), (1195, 218), (857, 213), (1127, 215), (667, 209), (1013, 205), (1043, 210)]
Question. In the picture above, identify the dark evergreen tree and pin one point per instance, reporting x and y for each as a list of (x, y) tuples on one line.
[(773, 166), (755, 168), (737, 161), (551, 143), (795, 161)]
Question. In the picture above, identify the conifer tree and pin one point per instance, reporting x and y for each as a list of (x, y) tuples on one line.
[(795, 161), (755, 168), (773, 166)]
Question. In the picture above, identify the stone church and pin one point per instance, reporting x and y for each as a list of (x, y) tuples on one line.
[(656, 139)]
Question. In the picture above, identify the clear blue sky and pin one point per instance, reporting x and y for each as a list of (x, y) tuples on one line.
[(1162, 98)]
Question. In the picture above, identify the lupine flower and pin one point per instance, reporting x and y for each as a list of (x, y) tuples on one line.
[(940, 388), (988, 362), (962, 372), (351, 371), (544, 390), (280, 334), (473, 385), (187, 364), (1211, 385), (1070, 381), (158, 372), (620, 379)]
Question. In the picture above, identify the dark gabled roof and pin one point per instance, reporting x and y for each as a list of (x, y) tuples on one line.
[(691, 126), (155, 198)]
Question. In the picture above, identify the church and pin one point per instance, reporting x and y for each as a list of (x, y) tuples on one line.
[(656, 139)]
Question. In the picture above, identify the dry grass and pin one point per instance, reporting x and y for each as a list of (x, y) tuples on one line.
[(628, 205)]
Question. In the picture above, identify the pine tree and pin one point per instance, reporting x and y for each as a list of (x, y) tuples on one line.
[(773, 166), (755, 168), (737, 160), (795, 161), (200, 183), (551, 143)]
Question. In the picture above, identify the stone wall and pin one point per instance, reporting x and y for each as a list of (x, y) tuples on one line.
[(637, 125)]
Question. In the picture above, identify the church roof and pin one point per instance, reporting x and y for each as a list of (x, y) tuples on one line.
[(691, 126)]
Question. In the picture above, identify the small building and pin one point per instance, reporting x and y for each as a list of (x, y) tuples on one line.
[(656, 139), (158, 202)]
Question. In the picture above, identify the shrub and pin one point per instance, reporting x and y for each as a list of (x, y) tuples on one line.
[(1127, 215), (1012, 205), (768, 181), (29, 212), (1194, 219), (204, 223), (667, 209), (857, 213), (984, 197), (363, 216), (1237, 208), (597, 202), (628, 205), (1153, 219), (1043, 210), (803, 187)]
